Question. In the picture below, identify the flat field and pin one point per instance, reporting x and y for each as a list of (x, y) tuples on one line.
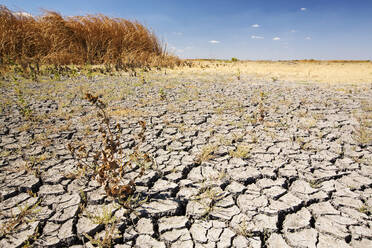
[(309, 71), (221, 154)]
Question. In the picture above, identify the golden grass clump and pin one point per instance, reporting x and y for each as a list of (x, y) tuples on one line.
[(92, 39)]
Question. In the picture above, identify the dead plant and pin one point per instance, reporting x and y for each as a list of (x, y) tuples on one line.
[(110, 163)]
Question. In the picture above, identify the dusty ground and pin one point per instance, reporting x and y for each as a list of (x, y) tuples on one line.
[(254, 162), (326, 72)]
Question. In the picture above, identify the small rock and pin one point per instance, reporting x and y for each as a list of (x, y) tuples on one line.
[(328, 226), (298, 220), (303, 238), (225, 239), (199, 233), (176, 235), (145, 226), (326, 241), (146, 241), (214, 234), (174, 222), (235, 187), (240, 242), (276, 240), (159, 208)]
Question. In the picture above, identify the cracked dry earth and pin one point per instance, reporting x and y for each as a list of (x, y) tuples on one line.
[(238, 164)]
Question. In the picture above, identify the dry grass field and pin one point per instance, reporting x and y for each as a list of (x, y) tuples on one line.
[(331, 72), (52, 39)]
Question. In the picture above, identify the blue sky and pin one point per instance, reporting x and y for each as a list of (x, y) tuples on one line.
[(250, 29)]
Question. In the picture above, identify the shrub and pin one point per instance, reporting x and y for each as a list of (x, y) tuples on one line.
[(91, 39)]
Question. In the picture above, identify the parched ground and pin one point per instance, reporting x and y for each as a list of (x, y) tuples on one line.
[(239, 163)]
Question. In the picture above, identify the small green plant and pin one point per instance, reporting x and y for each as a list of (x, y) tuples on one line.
[(162, 94), (234, 59), (30, 167), (366, 106), (208, 197), (133, 201), (275, 79), (206, 153), (83, 202), (251, 119), (265, 234), (142, 78), (314, 184), (107, 219), (241, 151), (5, 153), (104, 218), (363, 135), (21, 101), (26, 214), (301, 142), (32, 238), (220, 176), (366, 161), (90, 74), (34, 73), (107, 240), (244, 230), (365, 210)]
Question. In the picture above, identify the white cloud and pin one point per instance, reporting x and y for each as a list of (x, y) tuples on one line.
[(214, 41), (256, 37), (276, 38), (21, 13), (303, 9), (255, 26), (308, 38), (293, 31), (178, 33)]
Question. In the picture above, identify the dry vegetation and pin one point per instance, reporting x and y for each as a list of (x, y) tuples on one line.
[(52, 39), (27, 43), (110, 163), (308, 71), (98, 44)]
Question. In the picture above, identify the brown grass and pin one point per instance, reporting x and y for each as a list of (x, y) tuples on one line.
[(92, 39), (306, 71)]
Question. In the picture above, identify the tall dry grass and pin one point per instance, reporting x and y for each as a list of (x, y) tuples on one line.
[(92, 39)]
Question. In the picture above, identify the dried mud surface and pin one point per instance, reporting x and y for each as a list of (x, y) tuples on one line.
[(280, 165)]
